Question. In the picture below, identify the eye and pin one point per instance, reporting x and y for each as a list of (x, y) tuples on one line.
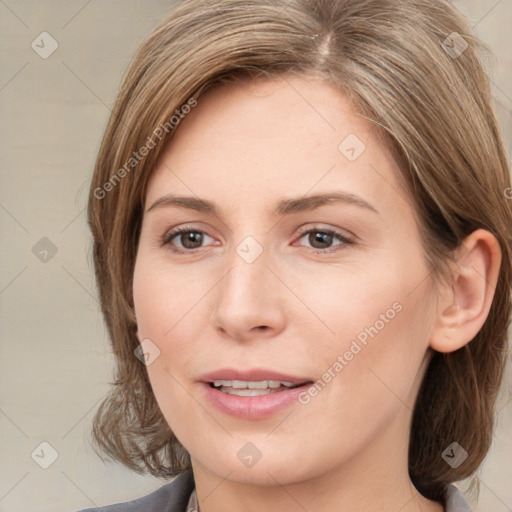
[(321, 239), (189, 238)]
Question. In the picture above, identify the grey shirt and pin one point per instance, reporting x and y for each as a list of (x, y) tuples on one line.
[(179, 496)]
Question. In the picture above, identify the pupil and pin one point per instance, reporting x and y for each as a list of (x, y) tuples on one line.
[(324, 238), (189, 239)]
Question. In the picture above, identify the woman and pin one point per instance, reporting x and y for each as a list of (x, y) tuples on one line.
[(302, 249)]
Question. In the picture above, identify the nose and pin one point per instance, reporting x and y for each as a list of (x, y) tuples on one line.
[(250, 301)]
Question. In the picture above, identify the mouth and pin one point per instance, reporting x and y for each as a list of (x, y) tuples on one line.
[(254, 388), (253, 394), (253, 382)]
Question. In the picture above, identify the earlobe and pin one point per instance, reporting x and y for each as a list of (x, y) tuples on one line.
[(464, 304)]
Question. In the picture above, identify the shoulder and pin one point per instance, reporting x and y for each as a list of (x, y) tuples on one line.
[(455, 501), (172, 497)]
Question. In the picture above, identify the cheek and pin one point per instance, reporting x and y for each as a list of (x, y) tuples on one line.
[(381, 321), (381, 301), (166, 298), (383, 361), (168, 312)]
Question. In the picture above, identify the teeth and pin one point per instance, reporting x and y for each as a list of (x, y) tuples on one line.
[(259, 385), (218, 383)]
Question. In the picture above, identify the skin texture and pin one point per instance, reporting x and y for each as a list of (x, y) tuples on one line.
[(294, 309)]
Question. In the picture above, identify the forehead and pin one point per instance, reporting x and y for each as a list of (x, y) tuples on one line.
[(260, 137)]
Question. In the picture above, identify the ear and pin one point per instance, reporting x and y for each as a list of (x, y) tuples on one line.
[(464, 303)]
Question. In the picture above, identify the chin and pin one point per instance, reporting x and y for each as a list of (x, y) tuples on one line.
[(265, 472)]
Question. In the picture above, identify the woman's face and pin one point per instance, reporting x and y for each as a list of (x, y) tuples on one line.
[(300, 264)]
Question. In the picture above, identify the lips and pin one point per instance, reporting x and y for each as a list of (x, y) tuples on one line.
[(254, 375), (252, 394)]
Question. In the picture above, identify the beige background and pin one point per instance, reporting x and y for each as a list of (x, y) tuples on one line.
[(55, 366)]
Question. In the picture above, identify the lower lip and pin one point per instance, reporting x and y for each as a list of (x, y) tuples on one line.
[(253, 407)]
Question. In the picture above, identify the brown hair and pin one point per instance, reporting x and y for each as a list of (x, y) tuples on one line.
[(393, 58)]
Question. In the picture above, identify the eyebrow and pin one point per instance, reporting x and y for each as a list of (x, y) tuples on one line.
[(284, 207)]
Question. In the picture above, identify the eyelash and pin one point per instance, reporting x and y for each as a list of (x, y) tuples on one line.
[(168, 237)]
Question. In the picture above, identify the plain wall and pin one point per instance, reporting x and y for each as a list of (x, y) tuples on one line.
[(55, 363)]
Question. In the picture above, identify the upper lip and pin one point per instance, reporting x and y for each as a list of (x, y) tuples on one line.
[(252, 375)]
